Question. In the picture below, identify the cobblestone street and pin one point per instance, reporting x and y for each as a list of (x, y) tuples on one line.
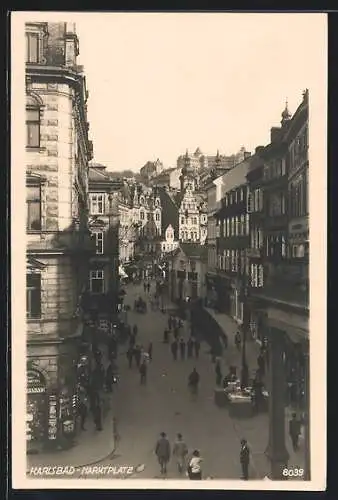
[(165, 404)]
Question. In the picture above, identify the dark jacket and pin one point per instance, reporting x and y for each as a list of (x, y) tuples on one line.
[(174, 347), (162, 448), (294, 427), (244, 456)]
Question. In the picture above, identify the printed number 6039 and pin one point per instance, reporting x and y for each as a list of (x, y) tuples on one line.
[(293, 472)]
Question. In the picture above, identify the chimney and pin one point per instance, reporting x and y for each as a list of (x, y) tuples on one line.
[(259, 150), (274, 134), (247, 155)]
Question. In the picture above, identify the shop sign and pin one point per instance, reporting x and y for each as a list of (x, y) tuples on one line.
[(36, 382), (52, 417)]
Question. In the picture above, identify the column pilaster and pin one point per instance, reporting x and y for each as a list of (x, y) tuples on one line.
[(276, 450)]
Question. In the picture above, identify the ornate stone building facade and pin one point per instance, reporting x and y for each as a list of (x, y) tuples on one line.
[(192, 209), (58, 241)]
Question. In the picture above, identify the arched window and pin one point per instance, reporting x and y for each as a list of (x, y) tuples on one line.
[(33, 110)]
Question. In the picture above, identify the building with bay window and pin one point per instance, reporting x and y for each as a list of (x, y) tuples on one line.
[(283, 300), (58, 241)]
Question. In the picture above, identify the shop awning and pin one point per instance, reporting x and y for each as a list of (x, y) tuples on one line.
[(297, 335)]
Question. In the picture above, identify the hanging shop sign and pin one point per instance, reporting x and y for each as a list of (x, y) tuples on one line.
[(36, 382), (52, 417)]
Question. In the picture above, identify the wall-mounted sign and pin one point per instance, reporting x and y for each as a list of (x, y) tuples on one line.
[(52, 417), (36, 382)]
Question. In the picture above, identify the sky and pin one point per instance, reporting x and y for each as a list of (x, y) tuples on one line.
[(163, 83)]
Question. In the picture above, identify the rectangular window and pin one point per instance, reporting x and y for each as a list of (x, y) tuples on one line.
[(97, 204), (283, 204), (249, 204), (33, 295), (33, 208), (99, 242), (157, 216), (32, 47), (247, 225), (261, 200), (96, 281), (232, 232), (33, 127), (237, 226)]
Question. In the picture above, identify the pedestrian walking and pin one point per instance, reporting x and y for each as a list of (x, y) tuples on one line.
[(98, 417), (130, 354), (135, 330), (150, 351), (143, 373), (145, 287), (176, 333), (148, 288), (294, 431), (132, 341), (261, 364), (97, 378), (137, 355), (174, 348), (97, 356), (244, 458), (190, 347), (182, 349), (218, 373), (143, 354), (109, 378), (83, 412), (162, 451), (173, 322), (193, 381), (195, 466), (180, 451), (197, 346), (94, 398), (165, 336), (170, 322)]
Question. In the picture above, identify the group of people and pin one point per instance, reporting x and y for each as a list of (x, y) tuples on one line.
[(141, 356), (93, 379), (192, 467), (188, 349)]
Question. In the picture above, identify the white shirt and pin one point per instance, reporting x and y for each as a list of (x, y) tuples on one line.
[(195, 464)]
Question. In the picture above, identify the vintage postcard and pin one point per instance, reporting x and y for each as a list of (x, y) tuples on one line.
[(168, 250)]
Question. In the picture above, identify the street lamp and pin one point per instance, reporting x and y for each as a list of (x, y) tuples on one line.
[(113, 245), (245, 325)]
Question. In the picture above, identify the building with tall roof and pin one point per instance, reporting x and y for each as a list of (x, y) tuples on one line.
[(147, 215), (151, 169), (168, 178), (187, 267)]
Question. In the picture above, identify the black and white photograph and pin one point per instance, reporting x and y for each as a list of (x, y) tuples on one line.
[(163, 167)]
